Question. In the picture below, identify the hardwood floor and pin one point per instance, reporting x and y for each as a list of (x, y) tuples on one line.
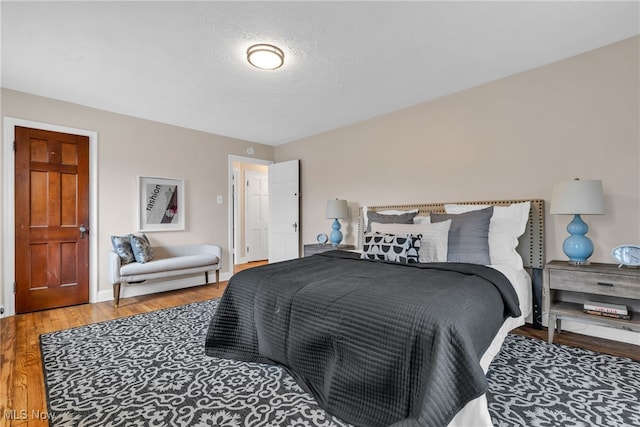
[(615, 348), (240, 267), (22, 393), (21, 379)]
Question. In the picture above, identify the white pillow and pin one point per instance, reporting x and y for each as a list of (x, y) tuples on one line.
[(434, 241), (507, 224), (421, 219)]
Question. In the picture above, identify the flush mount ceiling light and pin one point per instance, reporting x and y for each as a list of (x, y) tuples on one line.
[(265, 56)]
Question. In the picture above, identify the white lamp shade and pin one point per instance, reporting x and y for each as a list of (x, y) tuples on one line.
[(337, 209), (583, 197)]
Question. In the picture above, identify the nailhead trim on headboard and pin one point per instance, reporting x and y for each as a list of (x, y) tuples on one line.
[(531, 243)]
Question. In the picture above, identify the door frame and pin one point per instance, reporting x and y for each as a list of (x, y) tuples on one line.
[(8, 203), (230, 199)]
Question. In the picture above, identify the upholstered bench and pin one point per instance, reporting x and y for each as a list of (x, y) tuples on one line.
[(167, 261)]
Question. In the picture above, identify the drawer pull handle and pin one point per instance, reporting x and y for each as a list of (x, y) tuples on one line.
[(605, 284)]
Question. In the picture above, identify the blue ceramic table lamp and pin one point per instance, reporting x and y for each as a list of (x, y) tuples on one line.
[(578, 197), (336, 209)]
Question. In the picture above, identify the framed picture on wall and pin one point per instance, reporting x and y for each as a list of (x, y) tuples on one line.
[(160, 204)]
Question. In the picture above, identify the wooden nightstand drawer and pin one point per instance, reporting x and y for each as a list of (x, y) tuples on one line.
[(618, 285)]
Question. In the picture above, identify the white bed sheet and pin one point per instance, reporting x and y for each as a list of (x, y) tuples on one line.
[(476, 412)]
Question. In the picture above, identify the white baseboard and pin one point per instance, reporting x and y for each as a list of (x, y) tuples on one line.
[(156, 286)]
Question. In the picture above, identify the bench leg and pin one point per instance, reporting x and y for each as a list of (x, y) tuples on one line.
[(116, 293), (206, 278)]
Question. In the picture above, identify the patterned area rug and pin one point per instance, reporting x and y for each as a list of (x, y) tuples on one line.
[(532, 383), (150, 370)]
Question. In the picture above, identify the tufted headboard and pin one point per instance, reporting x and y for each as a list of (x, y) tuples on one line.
[(531, 243)]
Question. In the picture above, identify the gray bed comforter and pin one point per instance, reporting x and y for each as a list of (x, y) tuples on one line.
[(375, 343)]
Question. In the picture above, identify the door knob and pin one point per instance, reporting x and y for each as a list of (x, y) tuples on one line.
[(83, 230)]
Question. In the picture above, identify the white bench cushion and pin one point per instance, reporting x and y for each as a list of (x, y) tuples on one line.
[(168, 264)]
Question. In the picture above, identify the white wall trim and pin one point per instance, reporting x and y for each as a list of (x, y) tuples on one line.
[(8, 203), (241, 159)]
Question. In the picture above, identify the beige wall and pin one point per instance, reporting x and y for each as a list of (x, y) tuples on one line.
[(128, 147), (509, 139)]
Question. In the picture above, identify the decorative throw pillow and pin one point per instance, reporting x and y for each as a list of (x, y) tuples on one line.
[(420, 219), (389, 247), (122, 246), (141, 248), (507, 224), (365, 215), (468, 236), (405, 218), (434, 241)]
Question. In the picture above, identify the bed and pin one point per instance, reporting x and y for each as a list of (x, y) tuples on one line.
[(379, 340)]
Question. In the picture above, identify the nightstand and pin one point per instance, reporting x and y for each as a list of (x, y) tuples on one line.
[(567, 287), (317, 248)]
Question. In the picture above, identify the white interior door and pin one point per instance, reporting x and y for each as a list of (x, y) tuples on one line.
[(284, 211), (256, 215)]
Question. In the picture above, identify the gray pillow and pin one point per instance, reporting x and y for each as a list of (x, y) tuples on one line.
[(122, 246), (468, 236), (141, 248), (406, 218)]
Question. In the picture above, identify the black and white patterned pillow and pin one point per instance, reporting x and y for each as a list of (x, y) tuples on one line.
[(122, 246), (141, 248), (401, 248)]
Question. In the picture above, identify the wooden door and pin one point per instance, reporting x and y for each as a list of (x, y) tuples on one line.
[(52, 209)]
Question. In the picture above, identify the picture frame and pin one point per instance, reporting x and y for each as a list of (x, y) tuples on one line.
[(160, 204)]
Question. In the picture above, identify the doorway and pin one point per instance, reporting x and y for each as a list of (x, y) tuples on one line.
[(284, 222), (249, 203)]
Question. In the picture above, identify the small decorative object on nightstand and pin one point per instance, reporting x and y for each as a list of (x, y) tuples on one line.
[(319, 248), (567, 288), (337, 209), (578, 198), (626, 255)]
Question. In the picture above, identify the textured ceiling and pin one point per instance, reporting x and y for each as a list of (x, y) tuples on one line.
[(184, 63)]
